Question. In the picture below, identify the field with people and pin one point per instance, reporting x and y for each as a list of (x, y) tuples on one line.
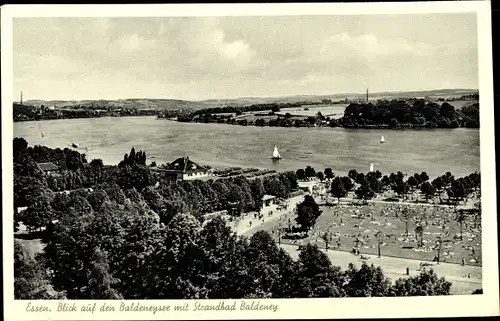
[(353, 227)]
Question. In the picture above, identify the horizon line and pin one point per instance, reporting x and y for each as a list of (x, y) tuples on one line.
[(262, 97)]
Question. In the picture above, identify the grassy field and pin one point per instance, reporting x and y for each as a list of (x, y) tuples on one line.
[(326, 110), (357, 225)]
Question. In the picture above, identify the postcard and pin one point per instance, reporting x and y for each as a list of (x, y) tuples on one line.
[(248, 161)]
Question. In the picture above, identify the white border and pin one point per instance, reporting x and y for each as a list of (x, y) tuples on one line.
[(454, 306)]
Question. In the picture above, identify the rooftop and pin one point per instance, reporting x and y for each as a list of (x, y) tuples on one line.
[(185, 165), (268, 197)]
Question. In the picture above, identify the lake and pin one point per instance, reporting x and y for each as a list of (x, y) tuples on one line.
[(435, 151)]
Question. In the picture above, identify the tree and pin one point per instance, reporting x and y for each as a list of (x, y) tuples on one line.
[(405, 216), (100, 282), (310, 172), (307, 213), (427, 189), (419, 230), (329, 173), (31, 280), (96, 162), (327, 237), (39, 212), (316, 277), (320, 176), (348, 184), (97, 198), (364, 191), (379, 235), (400, 187), (274, 186), (270, 268), (461, 217), (438, 183), (456, 191), (222, 264), (412, 182), (424, 176), (337, 189), (426, 283), (301, 174), (115, 193), (19, 145), (353, 174), (368, 281)]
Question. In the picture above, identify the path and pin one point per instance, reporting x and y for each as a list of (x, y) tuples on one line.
[(243, 227), (395, 268)]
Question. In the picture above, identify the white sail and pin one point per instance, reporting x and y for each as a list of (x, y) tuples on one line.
[(382, 139), (276, 154), (371, 167)]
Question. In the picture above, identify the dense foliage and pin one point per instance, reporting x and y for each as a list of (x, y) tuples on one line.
[(126, 238), (238, 110), (105, 255), (31, 113), (417, 114)]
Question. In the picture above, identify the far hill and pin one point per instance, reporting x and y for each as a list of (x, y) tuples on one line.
[(147, 103)]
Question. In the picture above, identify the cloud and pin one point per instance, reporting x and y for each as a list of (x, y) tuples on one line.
[(216, 57)]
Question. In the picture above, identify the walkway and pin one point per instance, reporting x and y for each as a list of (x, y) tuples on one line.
[(395, 268)]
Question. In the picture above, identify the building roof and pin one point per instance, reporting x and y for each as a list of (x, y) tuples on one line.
[(268, 197), (185, 165), (49, 166)]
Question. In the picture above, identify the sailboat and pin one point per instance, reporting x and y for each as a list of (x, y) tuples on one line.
[(276, 154), (371, 167), (382, 140)]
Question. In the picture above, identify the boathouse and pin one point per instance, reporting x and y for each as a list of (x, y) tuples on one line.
[(182, 169), (49, 168)]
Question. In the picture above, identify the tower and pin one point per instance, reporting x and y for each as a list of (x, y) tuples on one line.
[(21, 101), (366, 94)]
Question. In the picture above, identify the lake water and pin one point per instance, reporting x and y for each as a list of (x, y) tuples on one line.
[(434, 151)]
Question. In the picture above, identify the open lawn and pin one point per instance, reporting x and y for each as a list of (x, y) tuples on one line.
[(326, 110)]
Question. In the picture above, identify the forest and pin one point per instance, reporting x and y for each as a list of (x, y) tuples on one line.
[(32, 113), (419, 114), (124, 237)]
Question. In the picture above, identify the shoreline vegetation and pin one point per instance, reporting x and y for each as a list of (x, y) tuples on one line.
[(409, 113), (382, 114), (113, 232)]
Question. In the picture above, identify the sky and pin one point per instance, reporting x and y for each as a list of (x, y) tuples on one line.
[(198, 58)]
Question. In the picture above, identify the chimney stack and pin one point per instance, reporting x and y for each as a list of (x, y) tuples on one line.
[(21, 97)]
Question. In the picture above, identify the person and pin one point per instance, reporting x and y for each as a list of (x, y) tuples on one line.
[(463, 261)]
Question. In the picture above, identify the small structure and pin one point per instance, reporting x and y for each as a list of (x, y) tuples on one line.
[(210, 216), (49, 168), (308, 186), (268, 200), (182, 169)]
